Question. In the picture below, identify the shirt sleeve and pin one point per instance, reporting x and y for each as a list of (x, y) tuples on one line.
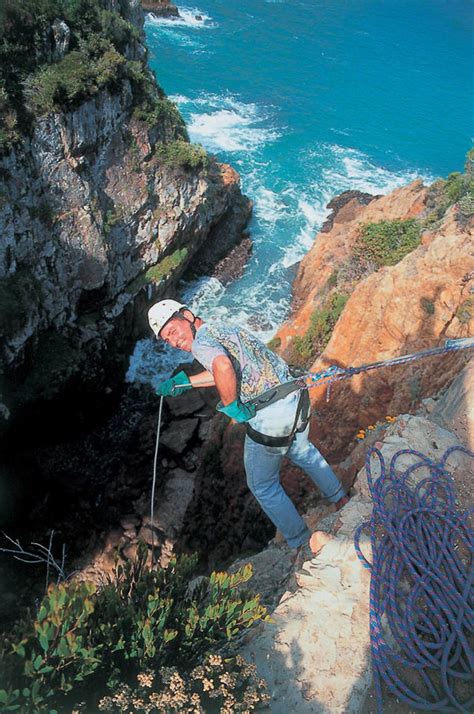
[(206, 348)]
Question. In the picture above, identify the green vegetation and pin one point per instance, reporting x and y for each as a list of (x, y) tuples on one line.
[(112, 217), (274, 343), (31, 83), (161, 110), (427, 305), (76, 77), (321, 326), (158, 272), (465, 311), (83, 641), (387, 242), (165, 267), (332, 280), (456, 189), (180, 153)]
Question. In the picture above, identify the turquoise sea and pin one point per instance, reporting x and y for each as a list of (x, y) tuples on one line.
[(308, 98)]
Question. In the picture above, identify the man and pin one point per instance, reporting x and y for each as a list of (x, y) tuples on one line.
[(243, 368)]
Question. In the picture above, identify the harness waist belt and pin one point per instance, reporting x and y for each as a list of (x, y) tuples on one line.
[(280, 391), (303, 410)]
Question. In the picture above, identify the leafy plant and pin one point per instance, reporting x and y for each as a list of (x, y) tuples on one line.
[(161, 270), (83, 639), (387, 242), (427, 305), (72, 79), (465, 311), (181, 153), (319, 333)]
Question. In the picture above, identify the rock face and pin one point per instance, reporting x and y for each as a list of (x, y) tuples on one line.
[(160, 8), (410, 306), (96, 220)]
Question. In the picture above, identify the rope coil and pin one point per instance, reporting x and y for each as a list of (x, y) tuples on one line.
[(421, 594)]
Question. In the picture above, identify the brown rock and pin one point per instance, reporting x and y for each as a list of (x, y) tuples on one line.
[(160, 8)]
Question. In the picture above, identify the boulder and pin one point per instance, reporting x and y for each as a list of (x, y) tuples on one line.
[(178, 435)]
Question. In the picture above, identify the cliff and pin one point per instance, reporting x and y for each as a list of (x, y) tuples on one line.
[(160, 8), (389, 276), (103, 201)]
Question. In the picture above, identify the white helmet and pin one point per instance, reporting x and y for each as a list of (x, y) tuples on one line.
[(161, 312)]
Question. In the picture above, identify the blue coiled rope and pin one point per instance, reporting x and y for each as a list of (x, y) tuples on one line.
[(421, 589)]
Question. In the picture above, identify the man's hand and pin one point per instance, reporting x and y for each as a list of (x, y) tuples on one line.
[(166, 388), (238, 411)]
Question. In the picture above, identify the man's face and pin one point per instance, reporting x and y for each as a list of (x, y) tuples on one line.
[(178, 333)]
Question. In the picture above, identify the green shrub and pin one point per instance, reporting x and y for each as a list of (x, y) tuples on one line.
[(181, 153), (158, 272), (274, 343), (427, 305), (71, 80), (162, 110), (112, 217), (465, 311), (332, 280), (83, 640), (456, 189), (387, 242), (321, 326)]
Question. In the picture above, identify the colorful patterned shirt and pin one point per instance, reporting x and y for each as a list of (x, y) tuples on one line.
[(257, 368)]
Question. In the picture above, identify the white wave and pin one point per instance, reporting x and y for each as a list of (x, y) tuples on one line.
[(269, 206), (152, 359), (179, 99), (225, 130), (188, 17), (202, 294), (352, 169)]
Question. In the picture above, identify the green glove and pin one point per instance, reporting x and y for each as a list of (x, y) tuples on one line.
[(237, 410), (166, 388)]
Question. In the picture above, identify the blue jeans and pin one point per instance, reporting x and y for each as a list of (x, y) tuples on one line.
[(262, 466)]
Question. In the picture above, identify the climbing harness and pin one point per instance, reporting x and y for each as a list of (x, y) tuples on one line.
[(302, 416), (421, 587)]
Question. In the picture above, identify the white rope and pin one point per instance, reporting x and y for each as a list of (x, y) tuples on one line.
[(155, 461)]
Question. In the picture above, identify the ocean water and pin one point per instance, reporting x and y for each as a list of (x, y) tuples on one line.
[(308, 98)]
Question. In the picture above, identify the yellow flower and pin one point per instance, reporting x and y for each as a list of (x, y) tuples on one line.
[(371, 427)]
